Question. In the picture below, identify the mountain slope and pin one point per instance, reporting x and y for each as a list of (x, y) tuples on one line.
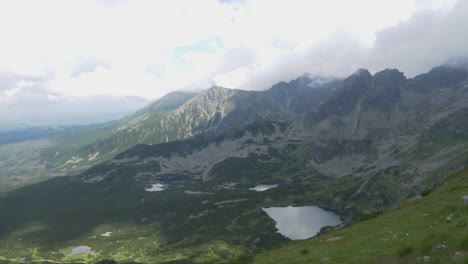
[(31, 161), (364, 106), (170, 101), (431, 229), (176, 116)]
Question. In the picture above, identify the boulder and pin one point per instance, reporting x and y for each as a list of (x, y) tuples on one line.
[(439, 248), (459, 255), (334, 239), (426, 259)]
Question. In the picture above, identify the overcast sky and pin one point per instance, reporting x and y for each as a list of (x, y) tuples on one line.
[(51, 50)]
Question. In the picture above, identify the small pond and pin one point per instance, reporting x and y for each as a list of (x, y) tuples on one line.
[(80, 250), (263, 187), (157, 187), (301, 222)]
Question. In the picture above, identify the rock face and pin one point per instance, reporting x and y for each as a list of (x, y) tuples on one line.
[(219, 109), (385, 90), (439, 77), (346, 97), (366, 106), (455, 122), (170, 101), (302, 94)]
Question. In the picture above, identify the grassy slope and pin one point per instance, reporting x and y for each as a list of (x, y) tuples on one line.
[(401, 235), (147, 227)]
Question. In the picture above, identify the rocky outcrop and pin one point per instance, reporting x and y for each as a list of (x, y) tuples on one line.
[(302, 94), (439, 77), (366, 106), (385, 90), (455, 122), (170, 101), (346, 96)]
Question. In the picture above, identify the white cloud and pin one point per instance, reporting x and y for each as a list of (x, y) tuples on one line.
[(342, 36), (19, 86), (234, 78), (119, 80), (427, 39), (147, 48)]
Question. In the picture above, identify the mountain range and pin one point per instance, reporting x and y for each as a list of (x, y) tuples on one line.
[(355, 146)]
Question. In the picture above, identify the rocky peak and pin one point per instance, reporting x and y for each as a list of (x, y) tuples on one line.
[(213, 99), (357, 83), (210, 101), (303, 80), (302, 94), (346, 96), (300, 82), (458, 62), (385, 90), (361, 72), (168, 102), (218, 92), (456, 122), (438, 77), (392, 76)]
